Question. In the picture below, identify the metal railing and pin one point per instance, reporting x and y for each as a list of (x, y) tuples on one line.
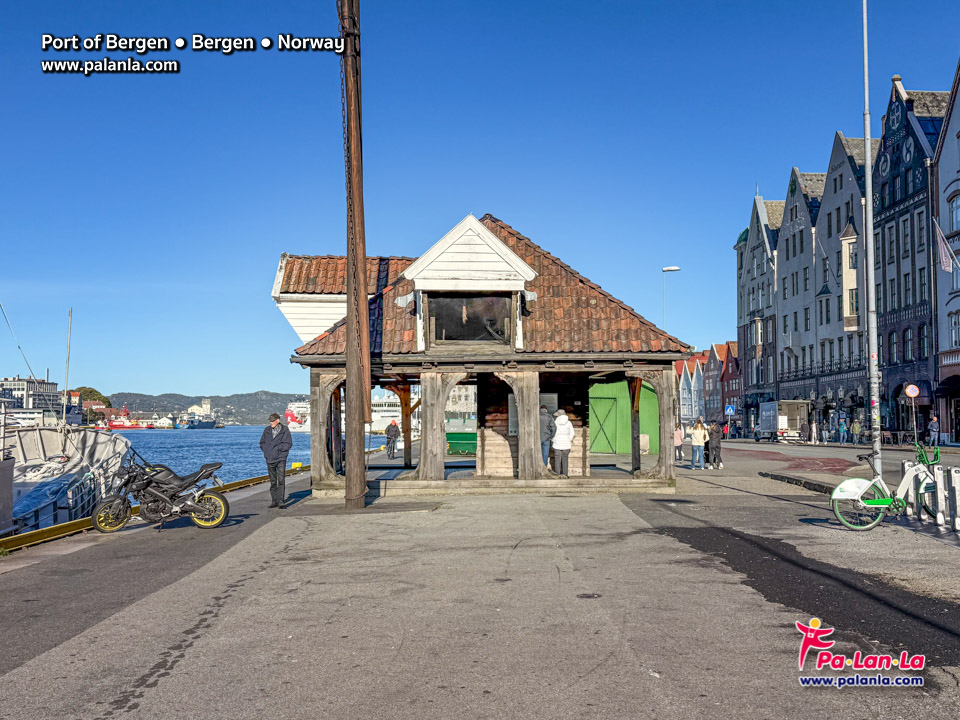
[(822, 368)]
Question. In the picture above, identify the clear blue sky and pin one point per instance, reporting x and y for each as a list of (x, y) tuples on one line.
[(622, 136)]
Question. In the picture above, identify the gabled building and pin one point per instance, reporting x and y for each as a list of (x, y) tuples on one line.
[(796, 254), (690, 389), (713, 394), (837, 346), (732, 384), (488, 307), (946, 208), (904, 259), (756, 250)]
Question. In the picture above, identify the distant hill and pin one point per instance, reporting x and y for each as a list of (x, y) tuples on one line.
[(244, 408)]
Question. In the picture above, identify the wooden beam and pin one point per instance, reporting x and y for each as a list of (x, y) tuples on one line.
[(435, 389), (526, 390), (636, 388), (322, 388)]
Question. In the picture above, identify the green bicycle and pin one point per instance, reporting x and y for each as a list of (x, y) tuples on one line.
[(861, 504)]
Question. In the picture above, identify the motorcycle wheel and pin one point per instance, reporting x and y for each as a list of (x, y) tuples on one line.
[(107, 519), (216, 510)]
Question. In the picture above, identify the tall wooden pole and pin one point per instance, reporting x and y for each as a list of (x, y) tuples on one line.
[(358, 331)]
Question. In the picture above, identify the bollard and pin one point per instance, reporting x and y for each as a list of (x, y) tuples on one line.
[(911, 497), (940, 498), (953, 496)]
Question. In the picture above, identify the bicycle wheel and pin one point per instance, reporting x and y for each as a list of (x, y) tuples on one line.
[(854, 515), (928, 501)]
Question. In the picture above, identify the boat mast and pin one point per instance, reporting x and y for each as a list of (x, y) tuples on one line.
[(66, 375)]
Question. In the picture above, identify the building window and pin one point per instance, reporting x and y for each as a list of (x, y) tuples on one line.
[(783, 284), (852, 256), (826, 305), (846, 209), (860, 344), (891, 244), (909, 183), (892, 297), (876, 249), (839, 260), (801, 242), (956, 278), (908, 345), (885, 192), (829, 225), (469, 318), (839, 307), (820, 310), (892, 348), (838, 221), (850, 346), (955, 213), (905, 236), (954, 330), (803, 357), (921, 230), (784, 328), (880, 349), (834, 184), (806, 278), (897, 188), (923, 341), (823, 352), (907, 300), (841, 182), (853, 302), (879, 298), (922, 285), (794, 244), (796, 324), (806, 318)]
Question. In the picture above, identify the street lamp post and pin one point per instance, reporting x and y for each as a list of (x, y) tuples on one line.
[(873, 364), (670, 269)]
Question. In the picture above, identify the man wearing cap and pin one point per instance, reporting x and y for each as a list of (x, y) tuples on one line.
[(275, 444)]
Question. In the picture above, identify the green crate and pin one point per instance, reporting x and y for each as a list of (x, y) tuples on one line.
[(461, 443)]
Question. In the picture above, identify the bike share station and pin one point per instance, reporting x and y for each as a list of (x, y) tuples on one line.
[(927, 491)]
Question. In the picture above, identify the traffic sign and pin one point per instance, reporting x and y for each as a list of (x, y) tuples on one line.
[(911, 391), (730, 410)]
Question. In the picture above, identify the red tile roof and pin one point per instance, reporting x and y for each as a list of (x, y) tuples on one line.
[(327, 274), (571, 314)]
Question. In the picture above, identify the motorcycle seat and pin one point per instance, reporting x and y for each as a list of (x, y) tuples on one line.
[(162, 473)]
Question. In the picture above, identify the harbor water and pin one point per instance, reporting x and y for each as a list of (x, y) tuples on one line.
[(237, 447)]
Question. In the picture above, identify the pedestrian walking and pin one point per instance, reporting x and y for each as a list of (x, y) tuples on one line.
[(716, 437), (855, 429), (814, 437), (562, 440), (933, 432), (548, 429), (393, 434), (804, 432), (698, 438), (678, 443), (726, 431), (275, 444), (825, 433), (842, 431)]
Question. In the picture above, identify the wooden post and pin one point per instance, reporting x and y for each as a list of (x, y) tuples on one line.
[(322, 388), (406, 412), (636, 388), (666, 397), (526, 390), (435, 388), (358, 329)]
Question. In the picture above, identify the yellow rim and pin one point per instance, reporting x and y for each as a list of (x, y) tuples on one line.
[(108, 522), (216, 507)]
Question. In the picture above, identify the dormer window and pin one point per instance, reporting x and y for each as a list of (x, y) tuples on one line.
[(461, 317)]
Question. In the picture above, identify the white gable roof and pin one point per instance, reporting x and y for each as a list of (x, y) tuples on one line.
[(469, 257)]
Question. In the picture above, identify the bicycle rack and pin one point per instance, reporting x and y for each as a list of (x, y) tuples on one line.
[(953, 497)]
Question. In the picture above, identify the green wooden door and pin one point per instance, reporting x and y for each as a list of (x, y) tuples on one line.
[(603, 426)]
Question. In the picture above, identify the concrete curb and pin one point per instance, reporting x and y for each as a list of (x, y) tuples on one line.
[(802, 482)]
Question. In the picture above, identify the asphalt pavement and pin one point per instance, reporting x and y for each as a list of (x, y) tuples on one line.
[(547, 606)]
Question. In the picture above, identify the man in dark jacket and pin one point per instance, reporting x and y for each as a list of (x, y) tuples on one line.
[(393, 434), (275, 444), (933, 432), (716, 435), (548, 429)]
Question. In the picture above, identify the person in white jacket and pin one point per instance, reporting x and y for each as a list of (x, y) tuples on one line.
[(562, 440)]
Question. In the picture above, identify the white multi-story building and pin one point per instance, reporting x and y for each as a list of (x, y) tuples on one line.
[(31, 393)]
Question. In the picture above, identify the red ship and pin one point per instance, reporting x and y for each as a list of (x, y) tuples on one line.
[(123, 422)]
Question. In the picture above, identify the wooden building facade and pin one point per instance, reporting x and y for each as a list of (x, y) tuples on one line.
[(487, 306)]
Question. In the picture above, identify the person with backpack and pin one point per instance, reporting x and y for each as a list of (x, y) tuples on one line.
[(716, 437)]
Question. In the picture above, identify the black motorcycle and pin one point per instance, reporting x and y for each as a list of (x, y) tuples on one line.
[(162, 495)]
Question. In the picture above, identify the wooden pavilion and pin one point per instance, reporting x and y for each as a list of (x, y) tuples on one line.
[(485, 305)]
